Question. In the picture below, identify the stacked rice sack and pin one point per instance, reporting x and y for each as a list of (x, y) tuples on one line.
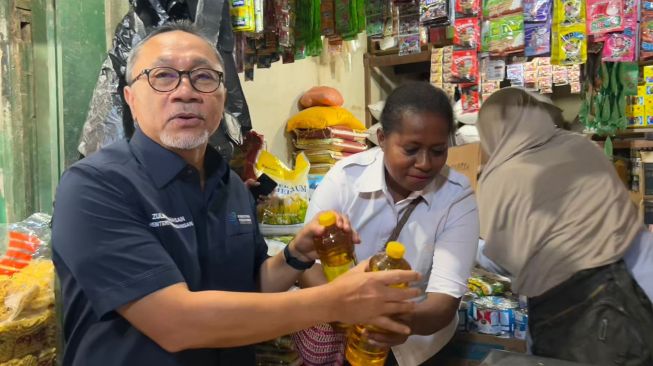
[(325, 131)]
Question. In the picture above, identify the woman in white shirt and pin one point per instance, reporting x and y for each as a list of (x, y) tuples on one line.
[(374, 188)]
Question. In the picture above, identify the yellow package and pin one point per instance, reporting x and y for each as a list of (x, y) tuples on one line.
[(243, 16), (648, 74), (322, 117), (570, 45), (288, 203), (568, 12), (641, 90)]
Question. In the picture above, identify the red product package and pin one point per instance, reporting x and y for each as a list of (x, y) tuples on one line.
[(646, 45), (468, 7), (470, 98), (467, 34), (464, 68)]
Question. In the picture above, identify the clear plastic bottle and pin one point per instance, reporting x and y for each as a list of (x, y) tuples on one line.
[(335, 247), (359, 351)]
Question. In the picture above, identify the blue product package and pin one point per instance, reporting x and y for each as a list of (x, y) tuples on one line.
[(538, 38), (537, 10)]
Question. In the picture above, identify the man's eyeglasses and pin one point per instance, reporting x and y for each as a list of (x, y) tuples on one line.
[(167, 79)]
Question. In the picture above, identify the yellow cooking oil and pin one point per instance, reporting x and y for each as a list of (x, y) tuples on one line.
[(334, 247), (359, 351)]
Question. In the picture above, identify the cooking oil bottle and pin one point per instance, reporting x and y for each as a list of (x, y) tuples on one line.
[(359, 351), (335, 247)]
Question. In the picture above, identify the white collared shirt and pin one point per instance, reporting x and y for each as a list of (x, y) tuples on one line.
[(440, 236)]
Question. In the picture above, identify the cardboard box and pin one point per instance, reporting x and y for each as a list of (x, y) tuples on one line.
[(469, 349), (466, 159)]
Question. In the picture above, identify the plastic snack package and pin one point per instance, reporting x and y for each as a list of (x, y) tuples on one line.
[(569, 12), (604, 16), (620, 47), (464, 68), (507, 35), (467, 33), (537, 38), (570, 46), (537, 10)]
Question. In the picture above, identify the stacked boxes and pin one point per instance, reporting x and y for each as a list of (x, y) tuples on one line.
[(639, 108)]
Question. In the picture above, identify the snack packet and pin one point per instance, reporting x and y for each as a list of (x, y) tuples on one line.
[(569, 12), (467, 8), (537, 10), (464, 68), (619, 47), (538, 38), (467, 33), (604, 16), (570, 46), (507, 34)]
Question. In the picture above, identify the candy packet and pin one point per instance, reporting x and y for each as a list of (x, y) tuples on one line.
[(646, 46), (467, 33), (497, 8), (506, 34), (467, 8), (464, 68), (537, 10), (569, 12), (570, 46), (470, 98), (605, 16), (431, 11), (537, 38), (620, 47)]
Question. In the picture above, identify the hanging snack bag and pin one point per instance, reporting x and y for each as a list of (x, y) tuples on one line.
[(604, 16), (569, 12), (467, 8), (464, 68), (288, 204), (571, 45), (433, 11), (470, 98), (619, 47), (538, 38), (243, 18), (497, 8), (537, 10), (646, 47), (507, 34), (467, 33)]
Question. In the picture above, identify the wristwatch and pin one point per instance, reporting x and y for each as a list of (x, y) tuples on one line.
[(294, 262)]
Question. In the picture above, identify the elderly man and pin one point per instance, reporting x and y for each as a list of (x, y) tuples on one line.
[(156, 241)]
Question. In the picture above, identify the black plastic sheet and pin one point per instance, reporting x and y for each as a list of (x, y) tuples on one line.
[(109, 119)]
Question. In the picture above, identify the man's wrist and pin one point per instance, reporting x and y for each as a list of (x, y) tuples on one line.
[(295, 262)]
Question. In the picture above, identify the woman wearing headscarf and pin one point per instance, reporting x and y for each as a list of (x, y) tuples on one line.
[(556, 218)]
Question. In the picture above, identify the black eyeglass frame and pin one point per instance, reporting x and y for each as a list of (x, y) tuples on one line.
[(180, 74)]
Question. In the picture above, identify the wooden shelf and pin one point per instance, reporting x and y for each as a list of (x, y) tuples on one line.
[(630, 144)]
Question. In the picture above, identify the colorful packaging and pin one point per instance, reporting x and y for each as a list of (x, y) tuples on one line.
[(507, 34), (619, 47), (497, 8), (571, 46), (243, 18), (493, 315), (464, 68), (569, 12), (604, 16), (468, 8), (288, 204), (521, 323), (470, 98), (537, 10), (467, 33), (538, 38), (646, 45), (433, 11)]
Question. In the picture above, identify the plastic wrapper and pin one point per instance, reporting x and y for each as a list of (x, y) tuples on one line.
[(333, 144), (245, 155), (321, 156), (537, 10), (409, 33), (569, 46), (277, 352), (497, 8), (321, 96), (467, 8), (604, 16), (493, 315), (433, 11), (538, 39), (243, 18), (507, 35), (28, 326), (464, 68), (467, 34), (332, 132), (109, 119), (646, 45), (470, 98), (569, 12), (288, 203), (323, 117), (484, 283), (620, 47)]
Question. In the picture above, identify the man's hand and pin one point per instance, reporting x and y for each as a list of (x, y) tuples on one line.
[(249, 183), (367, 298), (303, 247)]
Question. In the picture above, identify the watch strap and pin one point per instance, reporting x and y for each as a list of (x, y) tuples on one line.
[(294, 262)]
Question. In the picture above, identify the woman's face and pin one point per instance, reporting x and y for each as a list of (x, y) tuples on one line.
[(414, 152)]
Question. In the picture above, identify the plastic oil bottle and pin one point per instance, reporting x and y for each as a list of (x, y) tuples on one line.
[(335, 247), (359, 351)]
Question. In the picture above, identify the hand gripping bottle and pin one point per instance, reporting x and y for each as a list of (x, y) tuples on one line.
[(335, 247), (359, 351)]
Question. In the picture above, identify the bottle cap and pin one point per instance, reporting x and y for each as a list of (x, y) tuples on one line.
[(395, 250), (327, 219)]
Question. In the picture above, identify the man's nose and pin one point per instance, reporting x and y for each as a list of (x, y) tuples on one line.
[(185, 90)]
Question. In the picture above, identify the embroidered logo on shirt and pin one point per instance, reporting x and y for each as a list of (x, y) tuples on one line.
[(241, 219), (160, 219)]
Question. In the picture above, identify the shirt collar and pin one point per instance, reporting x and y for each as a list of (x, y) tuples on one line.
[(164, 165), (373, 180)]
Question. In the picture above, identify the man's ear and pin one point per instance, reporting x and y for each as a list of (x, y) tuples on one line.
[(380, 136), (129, 99)]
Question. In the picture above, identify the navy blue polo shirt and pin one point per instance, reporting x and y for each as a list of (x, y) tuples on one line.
[(132, 219)]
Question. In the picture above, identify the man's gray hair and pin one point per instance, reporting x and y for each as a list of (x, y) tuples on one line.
[(180, 25)]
